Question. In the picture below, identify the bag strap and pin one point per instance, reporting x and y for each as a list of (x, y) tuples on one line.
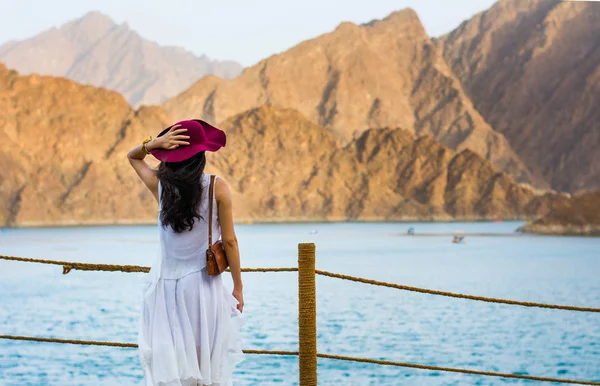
[(210, 208)]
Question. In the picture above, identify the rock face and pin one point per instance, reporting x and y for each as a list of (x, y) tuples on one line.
[(579, 216), (283, 166), (387, 73), (95, 50), (532, 69), (62, 154), (63, 161)]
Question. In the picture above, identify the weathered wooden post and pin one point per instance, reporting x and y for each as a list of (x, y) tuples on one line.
[(307, 315)]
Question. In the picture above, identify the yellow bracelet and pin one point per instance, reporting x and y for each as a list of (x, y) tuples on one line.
[(145, 143)]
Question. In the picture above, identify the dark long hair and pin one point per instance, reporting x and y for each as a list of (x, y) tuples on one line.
[(181, 192)]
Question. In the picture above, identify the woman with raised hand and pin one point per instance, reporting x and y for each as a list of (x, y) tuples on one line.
[(189, 331)]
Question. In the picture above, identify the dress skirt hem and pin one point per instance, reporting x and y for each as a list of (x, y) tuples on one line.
[(189, 333)]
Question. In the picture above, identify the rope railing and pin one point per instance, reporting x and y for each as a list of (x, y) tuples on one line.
[(69, 265), (307, 316), (121, 344), (456, 295), (457, 370), (325, 356)]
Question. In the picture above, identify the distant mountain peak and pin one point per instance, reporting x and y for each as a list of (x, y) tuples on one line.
[(96, 50), (403, 16), (346, 26), (95, 16), (91, 20), (405, 22)]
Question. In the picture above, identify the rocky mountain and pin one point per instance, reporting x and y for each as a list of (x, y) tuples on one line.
[(95, 50), (61, 153), (63, 161), (387, 73), (579, 216), (532, 69), (285, 167)]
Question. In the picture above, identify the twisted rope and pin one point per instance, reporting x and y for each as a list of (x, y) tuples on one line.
[(327, 356), (120, 344), (70, 265), (456, 370), (69, 341), (455, 295)]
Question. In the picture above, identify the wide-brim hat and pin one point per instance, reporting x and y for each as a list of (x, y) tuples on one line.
[(203, 137)]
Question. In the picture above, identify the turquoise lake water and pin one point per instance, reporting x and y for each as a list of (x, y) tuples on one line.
[(354, 319)]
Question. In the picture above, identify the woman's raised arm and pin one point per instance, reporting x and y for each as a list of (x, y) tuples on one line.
[(171, 140)]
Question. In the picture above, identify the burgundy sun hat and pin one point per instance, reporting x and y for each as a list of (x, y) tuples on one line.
[(203, 137)]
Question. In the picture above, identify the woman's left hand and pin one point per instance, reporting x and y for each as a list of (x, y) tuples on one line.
[(240, 298), (171, 139)]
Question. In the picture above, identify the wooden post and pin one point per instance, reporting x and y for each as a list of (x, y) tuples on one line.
[(307, 315)]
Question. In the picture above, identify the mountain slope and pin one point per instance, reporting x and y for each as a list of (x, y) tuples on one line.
[(63, 161), (385, 73), (95, 50), (286, 167), (532, 68), (63, 152)]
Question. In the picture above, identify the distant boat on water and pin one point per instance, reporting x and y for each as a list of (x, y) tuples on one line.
[(459, 237), (458, 240)]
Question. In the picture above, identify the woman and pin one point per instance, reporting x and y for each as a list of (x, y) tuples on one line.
[(189, 327)]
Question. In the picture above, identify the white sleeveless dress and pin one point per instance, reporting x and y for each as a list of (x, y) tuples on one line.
[(189, 332)]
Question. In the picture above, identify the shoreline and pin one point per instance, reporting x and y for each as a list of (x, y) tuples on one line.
[(246, 221), (529, 228), (561, 230)]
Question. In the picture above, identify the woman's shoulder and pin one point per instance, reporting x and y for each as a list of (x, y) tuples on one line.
[(222, 189), (207, 177), (221, 183), (218, 179)]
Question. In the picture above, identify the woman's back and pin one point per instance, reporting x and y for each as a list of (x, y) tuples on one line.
[(184, 252), (189, 332)]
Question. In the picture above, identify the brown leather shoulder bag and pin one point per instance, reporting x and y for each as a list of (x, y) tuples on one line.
[(216, 260)]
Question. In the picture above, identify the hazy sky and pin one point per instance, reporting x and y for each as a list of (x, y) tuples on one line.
[(242, 30)]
